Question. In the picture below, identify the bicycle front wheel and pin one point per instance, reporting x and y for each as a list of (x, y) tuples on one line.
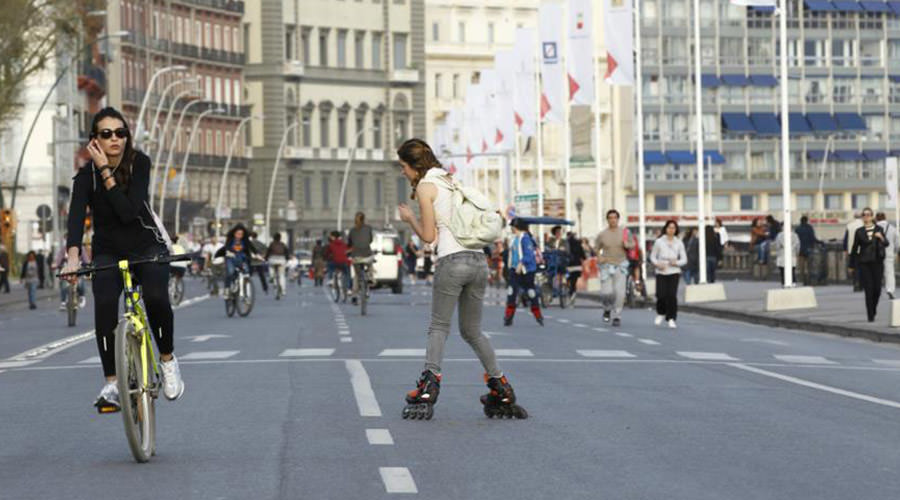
[(72, 305), (138, 411), (363, 296), (245, 302)]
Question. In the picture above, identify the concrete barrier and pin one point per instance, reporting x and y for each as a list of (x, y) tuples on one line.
[(707, 292), (783, 299), (895, 313)]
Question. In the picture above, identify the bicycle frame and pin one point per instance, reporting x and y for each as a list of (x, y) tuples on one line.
[(134, 313)]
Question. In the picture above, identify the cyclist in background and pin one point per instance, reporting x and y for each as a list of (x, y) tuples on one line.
[(177, 269), (259, 248), (238, 254), (59, 261), (360, 242), (276, 256), (336, 255)]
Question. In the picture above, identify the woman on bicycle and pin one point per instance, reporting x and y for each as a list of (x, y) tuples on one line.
[(115, 185), (461, 278), (238, 253)]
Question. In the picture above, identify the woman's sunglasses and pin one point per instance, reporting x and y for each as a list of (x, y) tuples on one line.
[(106, 133)]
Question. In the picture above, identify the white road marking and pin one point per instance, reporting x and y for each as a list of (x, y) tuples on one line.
[(548, 316), (15, 364), (90, 361), (815, 385), (208, 355), (204, 338), (379, 436), (766, 341), (520, 353), (343, 332), (307, 352), (648, 342), (579, 325), (563, 320), (1, 371), (598, 329), (402, 352), (623, 334), (397, 480), (497, 334), (191, 301), (594, 353), (362, 389), (705, 356), (346, 339), (807, 360), (889, 362)]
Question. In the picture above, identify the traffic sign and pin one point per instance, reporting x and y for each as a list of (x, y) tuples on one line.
[(44, 211)]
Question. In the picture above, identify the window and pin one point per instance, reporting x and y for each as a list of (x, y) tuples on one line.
[(246, 35), (323, 47), (218, 89), (325, 193), (342, 48), (662, 203), (209, 143), (461, 32), (490, 33), (748, 202), (361, 192), (307, 192), (236, 89), (217, 37), (631, 204), (290, 188), (289, 45), (358, 42), (834, 202), (360, 124), (323, 129), (775, 202), (376, 50), (455, 88), (207, 38), (402, 186), (860, 201), (304, 44), (804, 202), (435, 32), (376, 132), (235, 40), (306, 128), (219, 147), (721, 203), (342, 131), (689, 203), (437, 85), (399, 51)]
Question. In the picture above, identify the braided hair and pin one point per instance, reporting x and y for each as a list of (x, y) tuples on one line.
[(420, 157)]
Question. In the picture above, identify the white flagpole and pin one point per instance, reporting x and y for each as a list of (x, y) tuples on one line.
[(518, 158), (539, 134), (567, 133), (598, 169), (785, 151), (639, 109), (698, 87)]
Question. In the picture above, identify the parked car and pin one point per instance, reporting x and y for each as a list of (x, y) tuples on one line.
[(304, 258), (388, 265)]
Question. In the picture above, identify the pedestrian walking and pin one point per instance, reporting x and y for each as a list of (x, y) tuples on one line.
[(758, 241), (612, 246), (722, 232), (780, 252), (849, 236), (29, 277), (890, 253), (577, 256), (667, 256), (4, 269), (807, 236), (318, 263), (461, 278), (41, 265), (692, 245), (259, 249), (867, 254), (713, 253), (410, 256), (522, 268)]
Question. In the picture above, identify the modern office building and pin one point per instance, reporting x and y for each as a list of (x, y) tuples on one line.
[(341, 82), (844, 67)]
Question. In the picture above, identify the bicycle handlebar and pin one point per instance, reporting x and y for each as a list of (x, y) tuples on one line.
[(159, 259)]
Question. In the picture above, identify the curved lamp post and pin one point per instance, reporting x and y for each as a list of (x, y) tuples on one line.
[(162, 141), (234, 139), (159, 105), (275, 176), (140, 119), (184, 161), (340, 215), (165, 181)]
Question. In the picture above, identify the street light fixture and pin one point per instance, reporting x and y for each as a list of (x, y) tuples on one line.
[(184, 162), (234, 139), (162, 100), (340, 215), (275, 176), (140, 120), (165, 181), (579, 206), (162, 140)]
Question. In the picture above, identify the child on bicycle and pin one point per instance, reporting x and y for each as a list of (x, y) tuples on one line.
[(238, 254)]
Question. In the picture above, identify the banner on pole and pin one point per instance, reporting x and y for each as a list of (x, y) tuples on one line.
[(619, 30), (504, 92), (890, 181), (580, 51), (524, 112), (550, 20)]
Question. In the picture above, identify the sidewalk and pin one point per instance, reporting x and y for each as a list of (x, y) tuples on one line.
[(840, 311), (17, 296)]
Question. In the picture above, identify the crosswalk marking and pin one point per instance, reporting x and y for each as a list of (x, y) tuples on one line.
[(563, 320), (379, 436), (306, 352), (343, 332), (595, 353), (598, 329), (648, 342), (346, 339), (706, 356), (523, 353), (810, 360), (208, 355), (397, 480), (402, 352), (623, 334), (579, 325), (90, 361)]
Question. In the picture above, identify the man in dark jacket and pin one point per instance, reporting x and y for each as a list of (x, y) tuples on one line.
[(808, 241)]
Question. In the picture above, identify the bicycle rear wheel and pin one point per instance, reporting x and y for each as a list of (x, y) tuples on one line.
[(138, 411), (561, 286), (363, 295), (245, 303), (231, 300)]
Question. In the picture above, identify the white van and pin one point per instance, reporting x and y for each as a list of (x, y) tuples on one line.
[(388, 265)]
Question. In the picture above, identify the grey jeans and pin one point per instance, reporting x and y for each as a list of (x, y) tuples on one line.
[(612, 293), (460, 277)]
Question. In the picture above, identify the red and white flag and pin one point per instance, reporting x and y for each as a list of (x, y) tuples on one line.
[(754, 3), (580, 51), (550, 29), (471, 123), (524, 112), (504, 92), (487, 118), (619, 30)]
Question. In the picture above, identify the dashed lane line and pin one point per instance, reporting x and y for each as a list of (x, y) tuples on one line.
[(648, 342), (403, 352), (379, 437), (623, 334), (596, 353), (197, 355), (307, 352), (706, 356), (362, 389), (346, 340), (516, 353), (806, 360), (397, 480), (598, 329)]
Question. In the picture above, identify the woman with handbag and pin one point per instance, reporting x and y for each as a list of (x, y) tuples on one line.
[(867, 255)]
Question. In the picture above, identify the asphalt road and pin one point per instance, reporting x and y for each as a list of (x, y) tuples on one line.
[(302, 399)]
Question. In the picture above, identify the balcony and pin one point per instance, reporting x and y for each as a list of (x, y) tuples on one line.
[(293, 69), (236, 6), (299, 153), (405, 76), (222, 56)]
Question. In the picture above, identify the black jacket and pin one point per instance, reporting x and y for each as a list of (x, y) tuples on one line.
[(121, 216), (862, 244), (246, 245)]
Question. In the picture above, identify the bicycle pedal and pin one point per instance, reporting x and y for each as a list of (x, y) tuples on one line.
[(103, 408)]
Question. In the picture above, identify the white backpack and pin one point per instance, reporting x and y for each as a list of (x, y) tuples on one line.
[(473, 222)]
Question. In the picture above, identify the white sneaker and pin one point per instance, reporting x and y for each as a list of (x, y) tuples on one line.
[(173, 386), (108, 400), (82, 301), (672, 324), (62, 306), (659, 319)]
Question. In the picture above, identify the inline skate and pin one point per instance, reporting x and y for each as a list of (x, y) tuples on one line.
[(421, 400), (500, 402)]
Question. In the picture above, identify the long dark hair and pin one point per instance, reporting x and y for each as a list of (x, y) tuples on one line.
[(123, 171), (420, 157)]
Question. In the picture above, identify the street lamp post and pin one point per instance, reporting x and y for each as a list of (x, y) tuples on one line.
[(37, 115), (284, 137), (579, 206), (162, 99), (234, 140), (165, 181), (184, 161), (162, 141), (340, 215), (140, 119)]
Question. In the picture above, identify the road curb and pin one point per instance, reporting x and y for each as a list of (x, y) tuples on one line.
[(787, 323)]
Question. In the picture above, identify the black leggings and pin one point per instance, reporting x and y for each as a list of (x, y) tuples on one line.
[(107, 286), (870, 276), (667, 295)]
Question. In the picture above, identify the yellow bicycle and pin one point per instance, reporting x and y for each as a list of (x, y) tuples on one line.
[(137, 371)]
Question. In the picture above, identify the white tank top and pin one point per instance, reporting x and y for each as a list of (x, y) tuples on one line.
[(443, 207)]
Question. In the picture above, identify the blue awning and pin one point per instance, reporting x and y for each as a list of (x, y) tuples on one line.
[(815, 155), (763, 8), (875, 154), (819, 5), (875, 6), (654, 158), (822, 122), (765, 123), (798, 124), (895, 6), (709, 81), (850, 121), (895, 78), (763, 81), (681, 157), (713, 157), (848, 155), (847, 5), (737, 123), (735, 80)]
